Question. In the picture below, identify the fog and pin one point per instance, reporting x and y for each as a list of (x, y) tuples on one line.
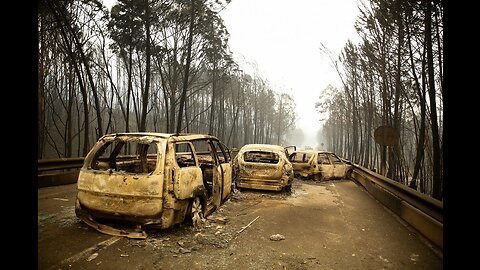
[(307, 139), (283, 39)]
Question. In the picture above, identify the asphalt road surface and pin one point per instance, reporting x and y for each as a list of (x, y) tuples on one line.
[(328, 225)]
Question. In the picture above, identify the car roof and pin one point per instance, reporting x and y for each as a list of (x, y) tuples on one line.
[(262, 147), (312, 151), (159, 135)]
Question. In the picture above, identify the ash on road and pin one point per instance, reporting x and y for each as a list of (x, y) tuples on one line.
[(327, 225)]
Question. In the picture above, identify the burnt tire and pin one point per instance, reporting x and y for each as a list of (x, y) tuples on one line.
[(349, 174), (195, 214), (318, 177)]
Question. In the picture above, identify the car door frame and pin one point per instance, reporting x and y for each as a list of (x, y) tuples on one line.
[(303, 168), (339, 168), (327, 170), (188, 180), (225, 168), (217, 185)]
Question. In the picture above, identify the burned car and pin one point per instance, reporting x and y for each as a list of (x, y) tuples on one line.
[(319, 165), (152, 180), (263, 166)]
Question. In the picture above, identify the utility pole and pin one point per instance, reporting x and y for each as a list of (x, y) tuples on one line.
[(280, 119)]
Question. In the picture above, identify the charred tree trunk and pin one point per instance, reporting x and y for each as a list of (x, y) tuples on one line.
[(437, 170), (214, 90), (187, 67), (394, 159), (422, 102), (145, 95), (41, 90)]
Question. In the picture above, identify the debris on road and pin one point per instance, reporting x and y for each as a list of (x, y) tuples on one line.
[(248, 225), (92, 257), (223, 220), (277, 237), (184, 250)]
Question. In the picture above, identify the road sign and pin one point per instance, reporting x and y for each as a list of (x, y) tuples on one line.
[(386, 135)]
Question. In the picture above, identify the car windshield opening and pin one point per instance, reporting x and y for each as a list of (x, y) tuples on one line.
[(127, 157), (261, 157)]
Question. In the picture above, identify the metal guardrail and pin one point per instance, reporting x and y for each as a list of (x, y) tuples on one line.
[(45, 165), (422, 212), (61, 171)]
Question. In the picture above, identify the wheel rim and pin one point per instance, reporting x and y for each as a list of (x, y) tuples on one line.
[(197, 212), (318, 177)]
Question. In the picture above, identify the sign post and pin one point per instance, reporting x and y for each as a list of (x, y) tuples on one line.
[(385, 136)]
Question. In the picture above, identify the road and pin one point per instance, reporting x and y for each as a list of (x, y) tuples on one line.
[(328, 225)]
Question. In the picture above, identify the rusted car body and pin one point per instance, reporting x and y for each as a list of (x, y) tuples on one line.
[(152, 180), (319, 165), (263, 166)]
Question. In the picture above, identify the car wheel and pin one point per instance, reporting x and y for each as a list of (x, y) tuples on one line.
[(318, 177), (235, 185), (196, 212), (349, 174)]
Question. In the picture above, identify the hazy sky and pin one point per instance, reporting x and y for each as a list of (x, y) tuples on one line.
[(283, 38)]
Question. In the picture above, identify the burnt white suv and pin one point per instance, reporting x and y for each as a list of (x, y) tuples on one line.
[(152, 180)]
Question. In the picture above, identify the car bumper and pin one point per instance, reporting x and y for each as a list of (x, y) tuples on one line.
[(264, 184)]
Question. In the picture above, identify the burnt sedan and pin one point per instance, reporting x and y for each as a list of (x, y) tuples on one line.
[(263, 166), (319, 165)]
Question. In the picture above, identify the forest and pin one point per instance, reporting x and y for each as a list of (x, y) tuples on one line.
[(392, 77), (151, 65), (165, 66)]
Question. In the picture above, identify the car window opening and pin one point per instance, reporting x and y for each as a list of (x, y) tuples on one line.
[(335, 159), (323, 159), (126, 157), (297, 157), (207, 160), (300, 157), (261, 157), (184, 155), (222, 154)]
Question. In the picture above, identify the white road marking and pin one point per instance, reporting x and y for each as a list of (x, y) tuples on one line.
[(87, 252), (61, 199)]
